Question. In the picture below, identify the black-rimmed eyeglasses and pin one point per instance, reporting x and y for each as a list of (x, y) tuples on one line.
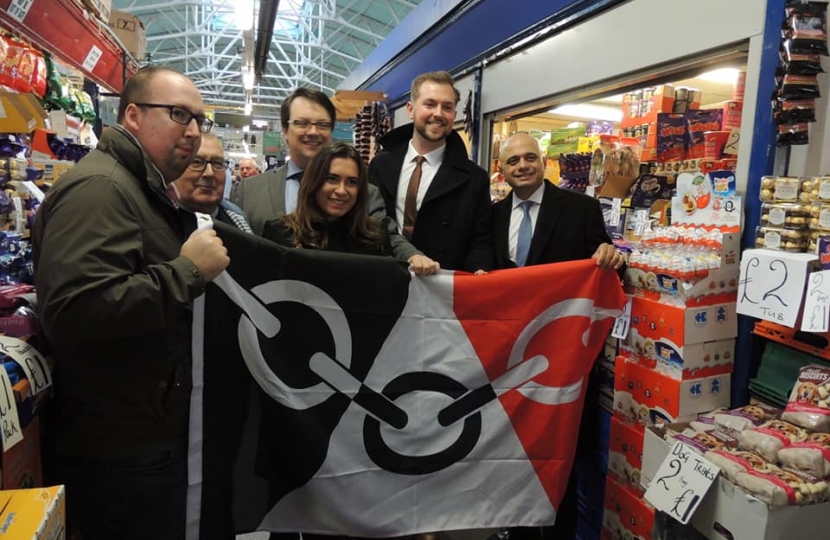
[(306, 124), (199, 164), (182, 116)]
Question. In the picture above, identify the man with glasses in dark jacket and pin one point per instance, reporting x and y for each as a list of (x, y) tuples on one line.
[(117, 267)]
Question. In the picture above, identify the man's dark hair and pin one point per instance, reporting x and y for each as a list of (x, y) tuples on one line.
[(137, 89), (315, 96)]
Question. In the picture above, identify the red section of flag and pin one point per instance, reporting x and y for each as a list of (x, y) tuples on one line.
[(548, 432)]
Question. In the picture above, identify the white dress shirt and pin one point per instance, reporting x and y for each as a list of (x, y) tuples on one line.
[(516, 218), (432, 162)]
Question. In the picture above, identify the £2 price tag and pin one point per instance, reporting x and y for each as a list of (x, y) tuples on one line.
[(771, 286)]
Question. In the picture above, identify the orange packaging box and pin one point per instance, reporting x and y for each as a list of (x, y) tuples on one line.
[(683, 325), (648, 397), (678, 361), (662, 100), (625, 456), (33, 514), (21, 464), (626, 514)]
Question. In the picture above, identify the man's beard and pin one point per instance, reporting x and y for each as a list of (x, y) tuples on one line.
[(422, 131)]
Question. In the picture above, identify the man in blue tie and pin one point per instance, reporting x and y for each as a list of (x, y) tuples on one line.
[(539, 223)]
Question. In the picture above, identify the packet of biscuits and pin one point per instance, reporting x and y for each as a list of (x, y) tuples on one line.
[(811, 456), (747, 416), (783, 487), (770, 437), (809, 404), (704, 441), (732, 462)]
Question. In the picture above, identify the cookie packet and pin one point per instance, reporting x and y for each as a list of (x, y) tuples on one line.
[(811, 456), (747, 416), (783, 487), (809, 403), (770, 437)]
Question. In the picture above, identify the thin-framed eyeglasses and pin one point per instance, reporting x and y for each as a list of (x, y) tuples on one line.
[(182, 116), (199, 164), (306, 124)]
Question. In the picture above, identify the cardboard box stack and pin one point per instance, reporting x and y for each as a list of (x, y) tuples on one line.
[(675, 361)]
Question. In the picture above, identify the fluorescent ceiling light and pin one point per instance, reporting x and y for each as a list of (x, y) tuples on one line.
[(723, 75), (589, 111), (248, 77), (248, 107), (244, 14)]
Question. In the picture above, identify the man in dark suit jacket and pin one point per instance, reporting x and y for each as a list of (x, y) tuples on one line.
[(453, 220), (566, 226), (308, 118)]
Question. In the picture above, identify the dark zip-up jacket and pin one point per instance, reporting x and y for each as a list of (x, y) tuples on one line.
[(115, 299)]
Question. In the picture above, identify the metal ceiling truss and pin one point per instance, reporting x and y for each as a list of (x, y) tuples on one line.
[(315, 43)]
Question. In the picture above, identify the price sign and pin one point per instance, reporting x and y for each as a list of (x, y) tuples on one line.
[(731, 146), (681, 482), (616, 211), (30, 360), (9, 419), (817, 303), (623, 322), (771, 286)]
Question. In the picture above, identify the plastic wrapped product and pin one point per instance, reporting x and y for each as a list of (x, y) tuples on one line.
[(783, 487), (811, 456), (747, 416), (809, 403), (733, 462), (770, 437)]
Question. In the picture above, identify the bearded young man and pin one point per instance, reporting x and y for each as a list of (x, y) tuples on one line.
[(437, 195)]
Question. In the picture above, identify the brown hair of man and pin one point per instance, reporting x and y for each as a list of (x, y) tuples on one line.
[(438, 77), (137, 89), (304, 221), (315, 96)]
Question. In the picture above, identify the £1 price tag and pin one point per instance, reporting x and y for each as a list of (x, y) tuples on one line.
[(681, 482), (817, 303)]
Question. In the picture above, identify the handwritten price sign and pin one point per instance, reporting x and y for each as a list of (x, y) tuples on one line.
[(681, 482), (772, 284), (817, 303)]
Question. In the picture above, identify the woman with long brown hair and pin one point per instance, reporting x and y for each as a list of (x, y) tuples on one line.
[(331, 208)]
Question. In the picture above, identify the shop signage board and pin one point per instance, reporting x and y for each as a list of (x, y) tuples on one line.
[(681, 482), (771, 285)]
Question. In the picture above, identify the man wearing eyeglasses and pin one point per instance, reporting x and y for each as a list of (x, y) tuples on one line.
[(308, 118), (202, 185), (117, 267)]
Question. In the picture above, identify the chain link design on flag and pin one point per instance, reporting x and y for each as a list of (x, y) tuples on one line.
[(388, 404)]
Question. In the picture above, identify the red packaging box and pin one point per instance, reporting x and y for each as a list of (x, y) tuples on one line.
[(678, 361), (648, 397), (625, 457), (683, 325), (627, 515)]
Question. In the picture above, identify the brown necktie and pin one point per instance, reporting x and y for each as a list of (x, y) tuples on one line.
[(410, 206)]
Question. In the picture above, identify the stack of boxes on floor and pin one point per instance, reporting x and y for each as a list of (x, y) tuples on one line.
[(675, 361)]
